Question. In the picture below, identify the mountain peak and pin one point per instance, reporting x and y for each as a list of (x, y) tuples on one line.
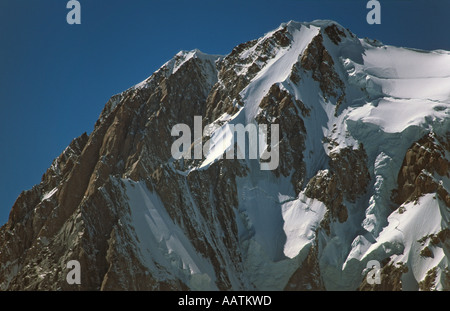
[(320, 23), (181, 58), (362, 175)]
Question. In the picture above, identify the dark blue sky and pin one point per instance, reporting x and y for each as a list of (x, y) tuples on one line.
[(55, 78)]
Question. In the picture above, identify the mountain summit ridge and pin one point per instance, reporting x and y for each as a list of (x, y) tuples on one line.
[(363, 175)]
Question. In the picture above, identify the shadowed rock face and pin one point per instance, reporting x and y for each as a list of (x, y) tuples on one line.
[(423, 159), (392, 274), (94, 199), (279, 107), (307, 277), (347, 179), (318, 60), (80, 220)]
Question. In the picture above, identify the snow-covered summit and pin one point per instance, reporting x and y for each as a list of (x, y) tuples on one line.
[(181, 58)]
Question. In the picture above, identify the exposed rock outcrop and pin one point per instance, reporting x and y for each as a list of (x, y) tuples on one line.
[(423, 159)]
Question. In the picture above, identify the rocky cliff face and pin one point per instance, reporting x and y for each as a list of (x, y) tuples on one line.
[(363, 175)]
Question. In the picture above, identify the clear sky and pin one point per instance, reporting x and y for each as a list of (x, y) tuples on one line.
[(55, 78)]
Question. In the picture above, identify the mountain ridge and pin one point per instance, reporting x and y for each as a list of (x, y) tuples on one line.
[(351, 116)]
